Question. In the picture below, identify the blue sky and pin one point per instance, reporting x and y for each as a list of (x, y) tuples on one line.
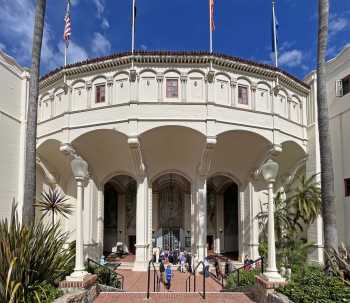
[(243, 28)]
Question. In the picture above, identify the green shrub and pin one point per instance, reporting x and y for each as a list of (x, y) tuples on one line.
[(246, 278), (312, 285), (39, 254), (104, 276)]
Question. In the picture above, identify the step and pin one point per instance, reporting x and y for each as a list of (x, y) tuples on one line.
[(178, 297)]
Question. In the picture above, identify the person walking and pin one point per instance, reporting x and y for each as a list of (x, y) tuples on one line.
[(206, 268), (161, 270), (168, 276)]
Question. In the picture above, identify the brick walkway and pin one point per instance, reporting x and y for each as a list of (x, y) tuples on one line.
[(137, 281), (135, 286)]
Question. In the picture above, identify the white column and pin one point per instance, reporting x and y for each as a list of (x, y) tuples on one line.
[(160, 87), (79, 269), (121, 217), (202, 219), (253, 94), (141, 225), (149, 221), (219, 241), (100, 218), (193, 220), (183, 88)]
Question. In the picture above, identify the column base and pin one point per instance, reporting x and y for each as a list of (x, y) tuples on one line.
[(273, 276), (77, 276), (141, 260)]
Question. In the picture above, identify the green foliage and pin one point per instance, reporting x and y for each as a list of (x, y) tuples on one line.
[(104, 276), (339, 262), (246, 278), (39, 254), (54, 202), (312, 285)]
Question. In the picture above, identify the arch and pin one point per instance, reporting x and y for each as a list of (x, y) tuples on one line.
[(267, 139), (44, 96), (284, 91), (117, 173), (75, 82), (58, 89), (172, 70), (171, 124), (300, 148), (171, 171), (223, 74), (196, 70), (262, 82), (244, 78), (148, 70), (94, 79), (120, 73), (48, 141), (103, 128), (228, 175)]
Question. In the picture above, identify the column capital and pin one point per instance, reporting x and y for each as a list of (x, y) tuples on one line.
[(233, 82), (88, 85), (110, 81), (210, 76), (135, 148), (253, 87), (160, 77), (183, 78), (132, 75), (205, 162)]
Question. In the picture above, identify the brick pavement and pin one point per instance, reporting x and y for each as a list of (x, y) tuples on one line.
[(173, 297), (135, 286)]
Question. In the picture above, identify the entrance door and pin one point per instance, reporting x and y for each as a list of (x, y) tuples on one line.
[(132, 242), (210, 243), (171, 239)]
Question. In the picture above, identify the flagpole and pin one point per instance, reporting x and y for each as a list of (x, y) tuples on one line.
[(274, 32), (210, 28), (65, 62), (133, 32)]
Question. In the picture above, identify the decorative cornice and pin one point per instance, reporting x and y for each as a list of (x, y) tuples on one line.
[(218, 60)]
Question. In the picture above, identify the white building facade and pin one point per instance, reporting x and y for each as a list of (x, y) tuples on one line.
[(174, 143), (14, 82), (338, 97)]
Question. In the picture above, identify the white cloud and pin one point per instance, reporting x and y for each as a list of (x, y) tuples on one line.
[(105, 23), (100, 44), (18, 19), (337, 24), (2, 46), (291, 58), (100, 7)]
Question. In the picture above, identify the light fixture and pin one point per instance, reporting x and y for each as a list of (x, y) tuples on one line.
[(79, 168), (269, 170)]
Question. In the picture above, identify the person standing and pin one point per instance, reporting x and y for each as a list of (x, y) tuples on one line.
[(168, 276), (161, 270)]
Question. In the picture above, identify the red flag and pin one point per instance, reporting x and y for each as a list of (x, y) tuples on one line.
[(212, 24)]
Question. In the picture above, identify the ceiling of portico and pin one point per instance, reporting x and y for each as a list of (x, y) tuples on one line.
[(107, 153), (238, 153), (54, 160), (172, 148)]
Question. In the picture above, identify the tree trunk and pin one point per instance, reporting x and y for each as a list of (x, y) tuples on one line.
[(53, 218), (327, 173), (30, 152)]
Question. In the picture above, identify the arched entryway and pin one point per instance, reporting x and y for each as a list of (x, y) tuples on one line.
[(119, 214), (171, 226), (222, 216)]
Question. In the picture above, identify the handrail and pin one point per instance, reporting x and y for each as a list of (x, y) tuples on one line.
[(117, 275), (188, 289), (245, 266), (156, 278)]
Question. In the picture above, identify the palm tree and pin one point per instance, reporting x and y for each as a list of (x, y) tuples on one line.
[(30, 152), (327, 175), (54, 202)]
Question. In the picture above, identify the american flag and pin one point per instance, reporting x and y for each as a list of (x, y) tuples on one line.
[(212, 5), (67, 25)]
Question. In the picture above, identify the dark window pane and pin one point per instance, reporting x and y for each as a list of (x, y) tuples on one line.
[(100, 93), (346, 85), (347, 187), (242, 95)]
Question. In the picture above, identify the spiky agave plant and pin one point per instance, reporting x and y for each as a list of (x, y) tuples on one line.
[(40, 257), (54, 202)]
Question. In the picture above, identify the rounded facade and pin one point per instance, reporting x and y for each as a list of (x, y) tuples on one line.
[(172, 141)]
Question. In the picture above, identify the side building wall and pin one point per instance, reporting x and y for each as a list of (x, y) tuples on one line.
[(13, 88)]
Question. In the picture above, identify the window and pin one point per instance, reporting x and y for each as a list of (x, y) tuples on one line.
[(347, 187), (243, 95), (343, 86), (172, 88), (100, 95)]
